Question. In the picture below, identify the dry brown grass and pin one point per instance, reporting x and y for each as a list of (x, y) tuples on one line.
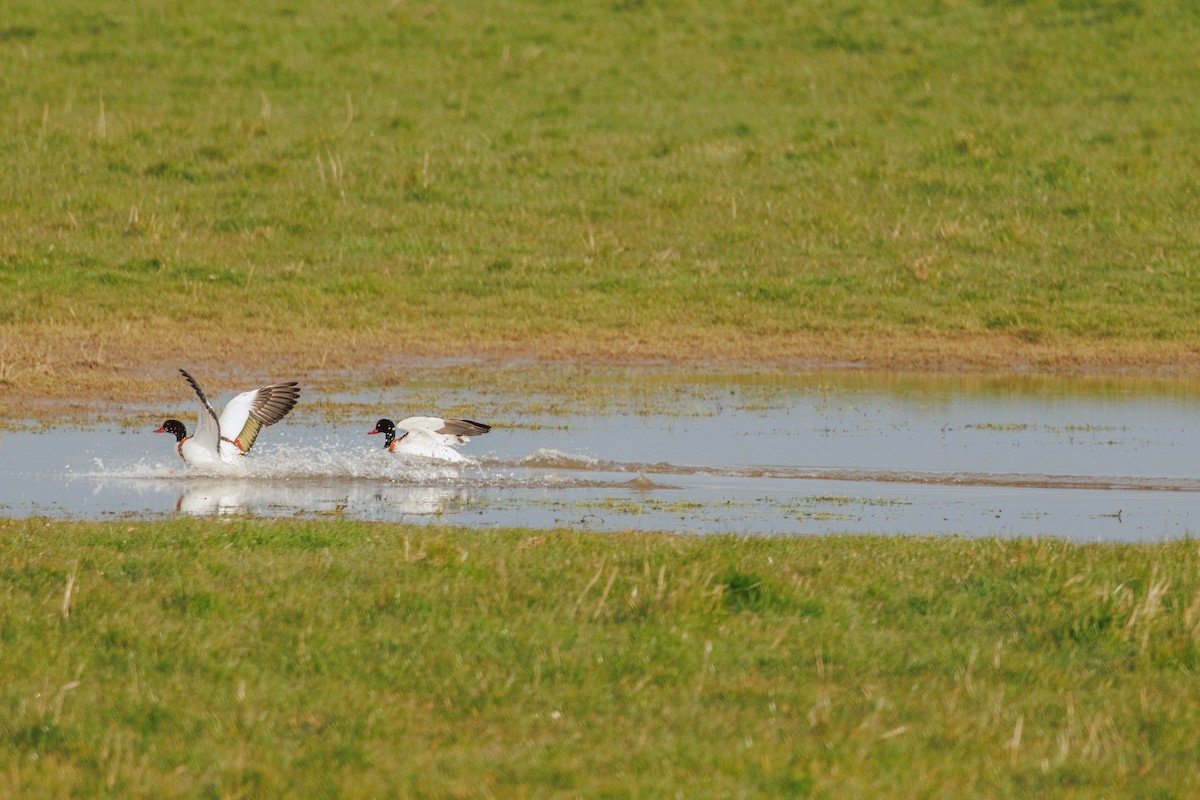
[(60, 372)]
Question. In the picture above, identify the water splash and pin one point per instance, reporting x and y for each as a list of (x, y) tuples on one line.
[(545, 467), (550, 458), (314, 466)]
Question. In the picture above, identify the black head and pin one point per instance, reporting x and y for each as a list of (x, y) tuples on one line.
[(387, 428), (174, 426)]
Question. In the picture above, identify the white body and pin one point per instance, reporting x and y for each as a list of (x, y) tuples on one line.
[(422, 439), (197, 454), (220, 443), (206, 448)]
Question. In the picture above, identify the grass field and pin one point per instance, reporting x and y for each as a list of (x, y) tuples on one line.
[(343, 189), (923, 185), (233, 659)]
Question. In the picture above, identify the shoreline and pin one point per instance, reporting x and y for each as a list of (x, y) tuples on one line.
[(67, 375)]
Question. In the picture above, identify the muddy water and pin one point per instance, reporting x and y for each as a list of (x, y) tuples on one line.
[(808, 454)]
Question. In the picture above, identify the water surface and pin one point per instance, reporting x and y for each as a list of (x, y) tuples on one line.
[(809, 454)]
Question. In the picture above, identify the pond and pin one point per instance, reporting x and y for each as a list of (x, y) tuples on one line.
[(813, 453)]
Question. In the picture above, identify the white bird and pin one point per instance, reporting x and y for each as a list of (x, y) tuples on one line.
[(430, 437), (222, 441)]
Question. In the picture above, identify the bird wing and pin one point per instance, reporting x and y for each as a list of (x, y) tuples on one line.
[(464, 427), (208, 427), (245, 415), (446, 431), (451, 427), (426, 424)]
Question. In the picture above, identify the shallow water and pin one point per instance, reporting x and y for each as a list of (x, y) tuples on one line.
[(810, 454)]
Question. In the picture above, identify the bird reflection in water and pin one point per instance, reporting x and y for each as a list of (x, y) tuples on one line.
[(218, 497)]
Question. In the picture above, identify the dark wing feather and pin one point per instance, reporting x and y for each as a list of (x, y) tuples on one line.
[(203, 400), (270, 404), (464, 427)]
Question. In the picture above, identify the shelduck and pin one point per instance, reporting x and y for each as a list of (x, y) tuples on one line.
[(222, 441), (430, 437)]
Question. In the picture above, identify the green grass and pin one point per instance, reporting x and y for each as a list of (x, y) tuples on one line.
[(238, 658), (438, 177), (498, 172)]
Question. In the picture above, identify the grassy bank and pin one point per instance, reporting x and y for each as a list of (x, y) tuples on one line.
[(241, 658), (931, 185)]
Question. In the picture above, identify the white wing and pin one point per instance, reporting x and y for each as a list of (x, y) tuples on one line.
[(429, 424), (445, 431), (245, 415), (208, 432)]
